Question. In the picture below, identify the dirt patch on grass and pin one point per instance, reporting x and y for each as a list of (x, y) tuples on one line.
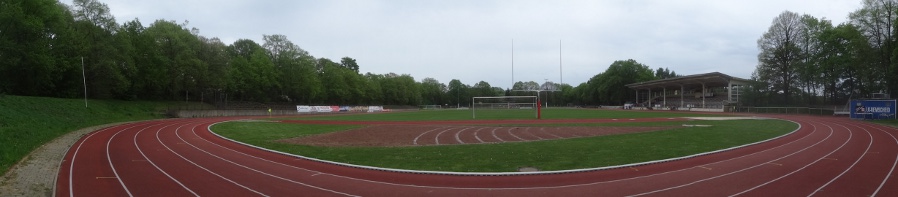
[(429, 135)]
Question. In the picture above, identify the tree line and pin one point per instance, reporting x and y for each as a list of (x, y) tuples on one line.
[(44, 43), (808, 60)]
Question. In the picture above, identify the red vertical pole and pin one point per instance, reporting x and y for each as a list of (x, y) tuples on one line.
[(539, 113)]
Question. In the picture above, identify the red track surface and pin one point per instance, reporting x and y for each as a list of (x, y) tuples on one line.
[(180, 157)]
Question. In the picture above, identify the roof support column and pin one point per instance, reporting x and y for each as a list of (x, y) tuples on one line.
[(637, 98), (729, 91), (651, 98), (682, 99), (703, 95), (664, 97)]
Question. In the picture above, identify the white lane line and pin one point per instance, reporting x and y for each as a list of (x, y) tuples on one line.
[(533, 134), (154, 163), (512, 134), (496, 136), (208, 129), (440, 133), (849, 167), (478, 137), (456, 135), (543, 129), (415, 142), (850, 135), (737, 171), (177, 133), (877, 127), (201, 167), (75, 155), (112, 166)]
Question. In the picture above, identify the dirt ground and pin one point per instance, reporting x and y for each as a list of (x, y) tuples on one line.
[(429, 135)]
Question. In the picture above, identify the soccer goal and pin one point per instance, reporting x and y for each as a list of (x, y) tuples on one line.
[(504, 107), (430, 107)]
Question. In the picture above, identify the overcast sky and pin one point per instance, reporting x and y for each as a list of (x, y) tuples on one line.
[(471, 40)]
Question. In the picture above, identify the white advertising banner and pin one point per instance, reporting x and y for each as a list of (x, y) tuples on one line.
[(303, 109), (323, 109), (375, 108)]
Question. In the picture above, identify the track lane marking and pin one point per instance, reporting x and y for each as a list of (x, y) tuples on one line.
[(870, 144), (193, 130), (850, 135), (737, 171), (888, 175), (532, 133), (415, 142), (706, 168), (112, 166), (437, 138), (477, 136), (550, 133), (513, 135), (78, 149), (459, 132), (496, 136), (201, 167), (154, 163)]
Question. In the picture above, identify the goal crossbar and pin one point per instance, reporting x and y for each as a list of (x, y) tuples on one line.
[(516, 101)]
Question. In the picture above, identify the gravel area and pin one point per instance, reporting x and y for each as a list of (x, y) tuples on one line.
[(35, 175)]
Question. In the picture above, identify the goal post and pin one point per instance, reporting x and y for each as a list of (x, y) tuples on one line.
[(430, 107), (505, 107)]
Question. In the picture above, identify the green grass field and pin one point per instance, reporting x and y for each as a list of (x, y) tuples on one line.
[(892, 122), (506, 157), (28, 122)]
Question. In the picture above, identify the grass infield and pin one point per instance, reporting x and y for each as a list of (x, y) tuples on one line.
[(547, 155)]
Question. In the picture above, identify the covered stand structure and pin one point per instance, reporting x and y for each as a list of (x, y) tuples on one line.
[(710, 91)]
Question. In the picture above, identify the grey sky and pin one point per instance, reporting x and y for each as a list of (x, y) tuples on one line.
[(472, 40)]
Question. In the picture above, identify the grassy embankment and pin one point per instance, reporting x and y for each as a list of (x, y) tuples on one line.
[(505, 157), (28, 122)]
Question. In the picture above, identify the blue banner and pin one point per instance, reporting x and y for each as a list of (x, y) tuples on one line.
[(872, 109)]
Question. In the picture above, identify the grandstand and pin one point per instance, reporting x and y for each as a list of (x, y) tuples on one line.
[(700, 92)]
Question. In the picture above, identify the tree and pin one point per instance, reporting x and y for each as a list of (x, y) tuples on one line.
[(664, 73), (432, 92), (876, 20), (350, 64), (483, 88), (780, 55), (253, 76), (610, 87), (36, 47), (458, 93), (296, 69)]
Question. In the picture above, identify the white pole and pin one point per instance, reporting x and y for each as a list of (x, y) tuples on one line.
[(512, 64), (84, 78), (560, 76)]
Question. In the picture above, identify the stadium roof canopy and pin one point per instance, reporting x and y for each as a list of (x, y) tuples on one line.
[(714, 79)]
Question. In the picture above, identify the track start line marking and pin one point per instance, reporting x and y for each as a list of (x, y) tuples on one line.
[(706, 168), (106, 177)]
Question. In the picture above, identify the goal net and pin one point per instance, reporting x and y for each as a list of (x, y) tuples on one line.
[(430, 107), (504, 107)]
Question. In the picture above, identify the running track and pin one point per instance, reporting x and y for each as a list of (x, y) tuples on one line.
[(180, 157)]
